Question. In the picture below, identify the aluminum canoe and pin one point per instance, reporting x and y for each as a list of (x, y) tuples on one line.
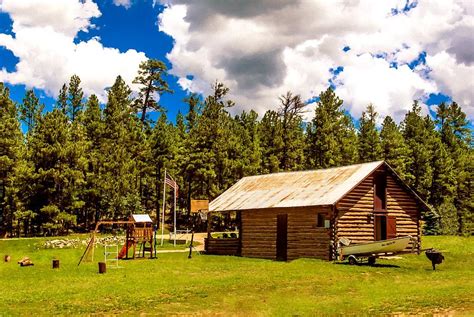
[(372, 248)]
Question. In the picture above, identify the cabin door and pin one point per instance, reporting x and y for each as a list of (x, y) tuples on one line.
[(385, 227), (282, 237), (380, 224)]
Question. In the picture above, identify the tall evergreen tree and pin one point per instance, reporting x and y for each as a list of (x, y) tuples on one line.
[(251, 151), (290, 111), (419, 133), (75, 97), (56, 177), (370, 148), (443, 188), (10, 155), (332, 139), (151, 81), (456, 136), (61, 103), (394, 149), (94, 129), (30, 110), (271, 134), (121, 197)]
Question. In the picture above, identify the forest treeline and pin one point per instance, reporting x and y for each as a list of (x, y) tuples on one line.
[(84, 161)]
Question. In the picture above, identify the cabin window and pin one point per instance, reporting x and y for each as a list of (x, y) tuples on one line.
[(322, 222), (380, 191)]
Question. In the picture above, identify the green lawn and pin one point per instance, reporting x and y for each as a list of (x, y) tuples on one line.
[(208, 285)]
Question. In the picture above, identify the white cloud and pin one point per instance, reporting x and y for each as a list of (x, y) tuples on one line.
[(456, 79), (262, 49), (124, 3), (44, 33)]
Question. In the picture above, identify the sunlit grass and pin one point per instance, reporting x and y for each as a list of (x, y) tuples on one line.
[(235, 286)]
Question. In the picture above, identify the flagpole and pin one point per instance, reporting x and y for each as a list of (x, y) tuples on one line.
[(175, 215), (163, 212)]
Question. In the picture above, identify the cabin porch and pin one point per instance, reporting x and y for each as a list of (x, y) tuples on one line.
[(223, 233)]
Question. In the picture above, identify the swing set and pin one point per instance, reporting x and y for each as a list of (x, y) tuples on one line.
[(139, 232)]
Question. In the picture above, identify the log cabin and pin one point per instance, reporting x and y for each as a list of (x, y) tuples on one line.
[(285, 216)]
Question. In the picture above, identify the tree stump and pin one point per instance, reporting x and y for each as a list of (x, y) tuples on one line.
[(102, 267), (55, 264), (7, 258)]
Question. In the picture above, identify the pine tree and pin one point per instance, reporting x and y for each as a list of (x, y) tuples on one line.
[(370, 148), (290, 111), (270, 130), (194, 109), (61, 103), (347, 140), (208, 145), (394, 149), (30, 110), (150, 78), (456, 136), (121, 196), (251, 151), (75, 97), (331, 137), (419, 134), (443, 189), (94, 127), (10, 155), (55, 176)]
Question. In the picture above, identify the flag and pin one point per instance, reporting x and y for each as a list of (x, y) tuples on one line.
[(172, 183)]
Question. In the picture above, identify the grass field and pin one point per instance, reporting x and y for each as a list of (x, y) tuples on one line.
[(220, 285)]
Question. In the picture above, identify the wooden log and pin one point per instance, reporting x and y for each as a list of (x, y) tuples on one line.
[(102, 268)]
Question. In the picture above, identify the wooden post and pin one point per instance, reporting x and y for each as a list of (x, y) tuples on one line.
[(239, 216), (174, 216), (191, 245), (209, 223), (163, 211), (55, 264), (102, 267), (127, 237)]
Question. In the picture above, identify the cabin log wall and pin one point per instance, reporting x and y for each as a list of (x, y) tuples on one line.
[(355, 212), (305, 239), (225, 246), (404, 206)]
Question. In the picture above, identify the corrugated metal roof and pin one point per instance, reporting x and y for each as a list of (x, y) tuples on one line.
[(141, 218), (293, 189)]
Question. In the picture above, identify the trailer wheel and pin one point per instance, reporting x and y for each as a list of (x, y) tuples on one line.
[(371, 260), (352, 260)]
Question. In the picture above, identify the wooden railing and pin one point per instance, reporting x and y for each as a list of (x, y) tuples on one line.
[(143, 233), (227, 246)]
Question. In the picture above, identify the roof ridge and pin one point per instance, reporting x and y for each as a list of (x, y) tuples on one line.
[(314, 170)]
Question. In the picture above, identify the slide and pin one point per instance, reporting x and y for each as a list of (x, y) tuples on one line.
[(123, 251)]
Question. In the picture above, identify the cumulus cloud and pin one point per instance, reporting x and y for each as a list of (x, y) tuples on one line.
[(261, 49), (47, 52)]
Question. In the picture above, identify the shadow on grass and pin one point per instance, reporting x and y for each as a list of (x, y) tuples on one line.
[(366, 264)]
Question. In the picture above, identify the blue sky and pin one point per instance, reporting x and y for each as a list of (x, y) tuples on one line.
[(403, 50), (121, 28)]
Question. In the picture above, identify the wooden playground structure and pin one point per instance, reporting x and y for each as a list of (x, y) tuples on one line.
[(139, 232)]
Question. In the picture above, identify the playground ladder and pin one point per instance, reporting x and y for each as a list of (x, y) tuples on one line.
[(111, 255)]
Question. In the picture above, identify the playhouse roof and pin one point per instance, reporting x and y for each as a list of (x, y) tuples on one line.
[(321, 187), (141, 218)]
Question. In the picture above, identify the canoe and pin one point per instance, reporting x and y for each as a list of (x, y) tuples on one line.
[(373, 248)]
